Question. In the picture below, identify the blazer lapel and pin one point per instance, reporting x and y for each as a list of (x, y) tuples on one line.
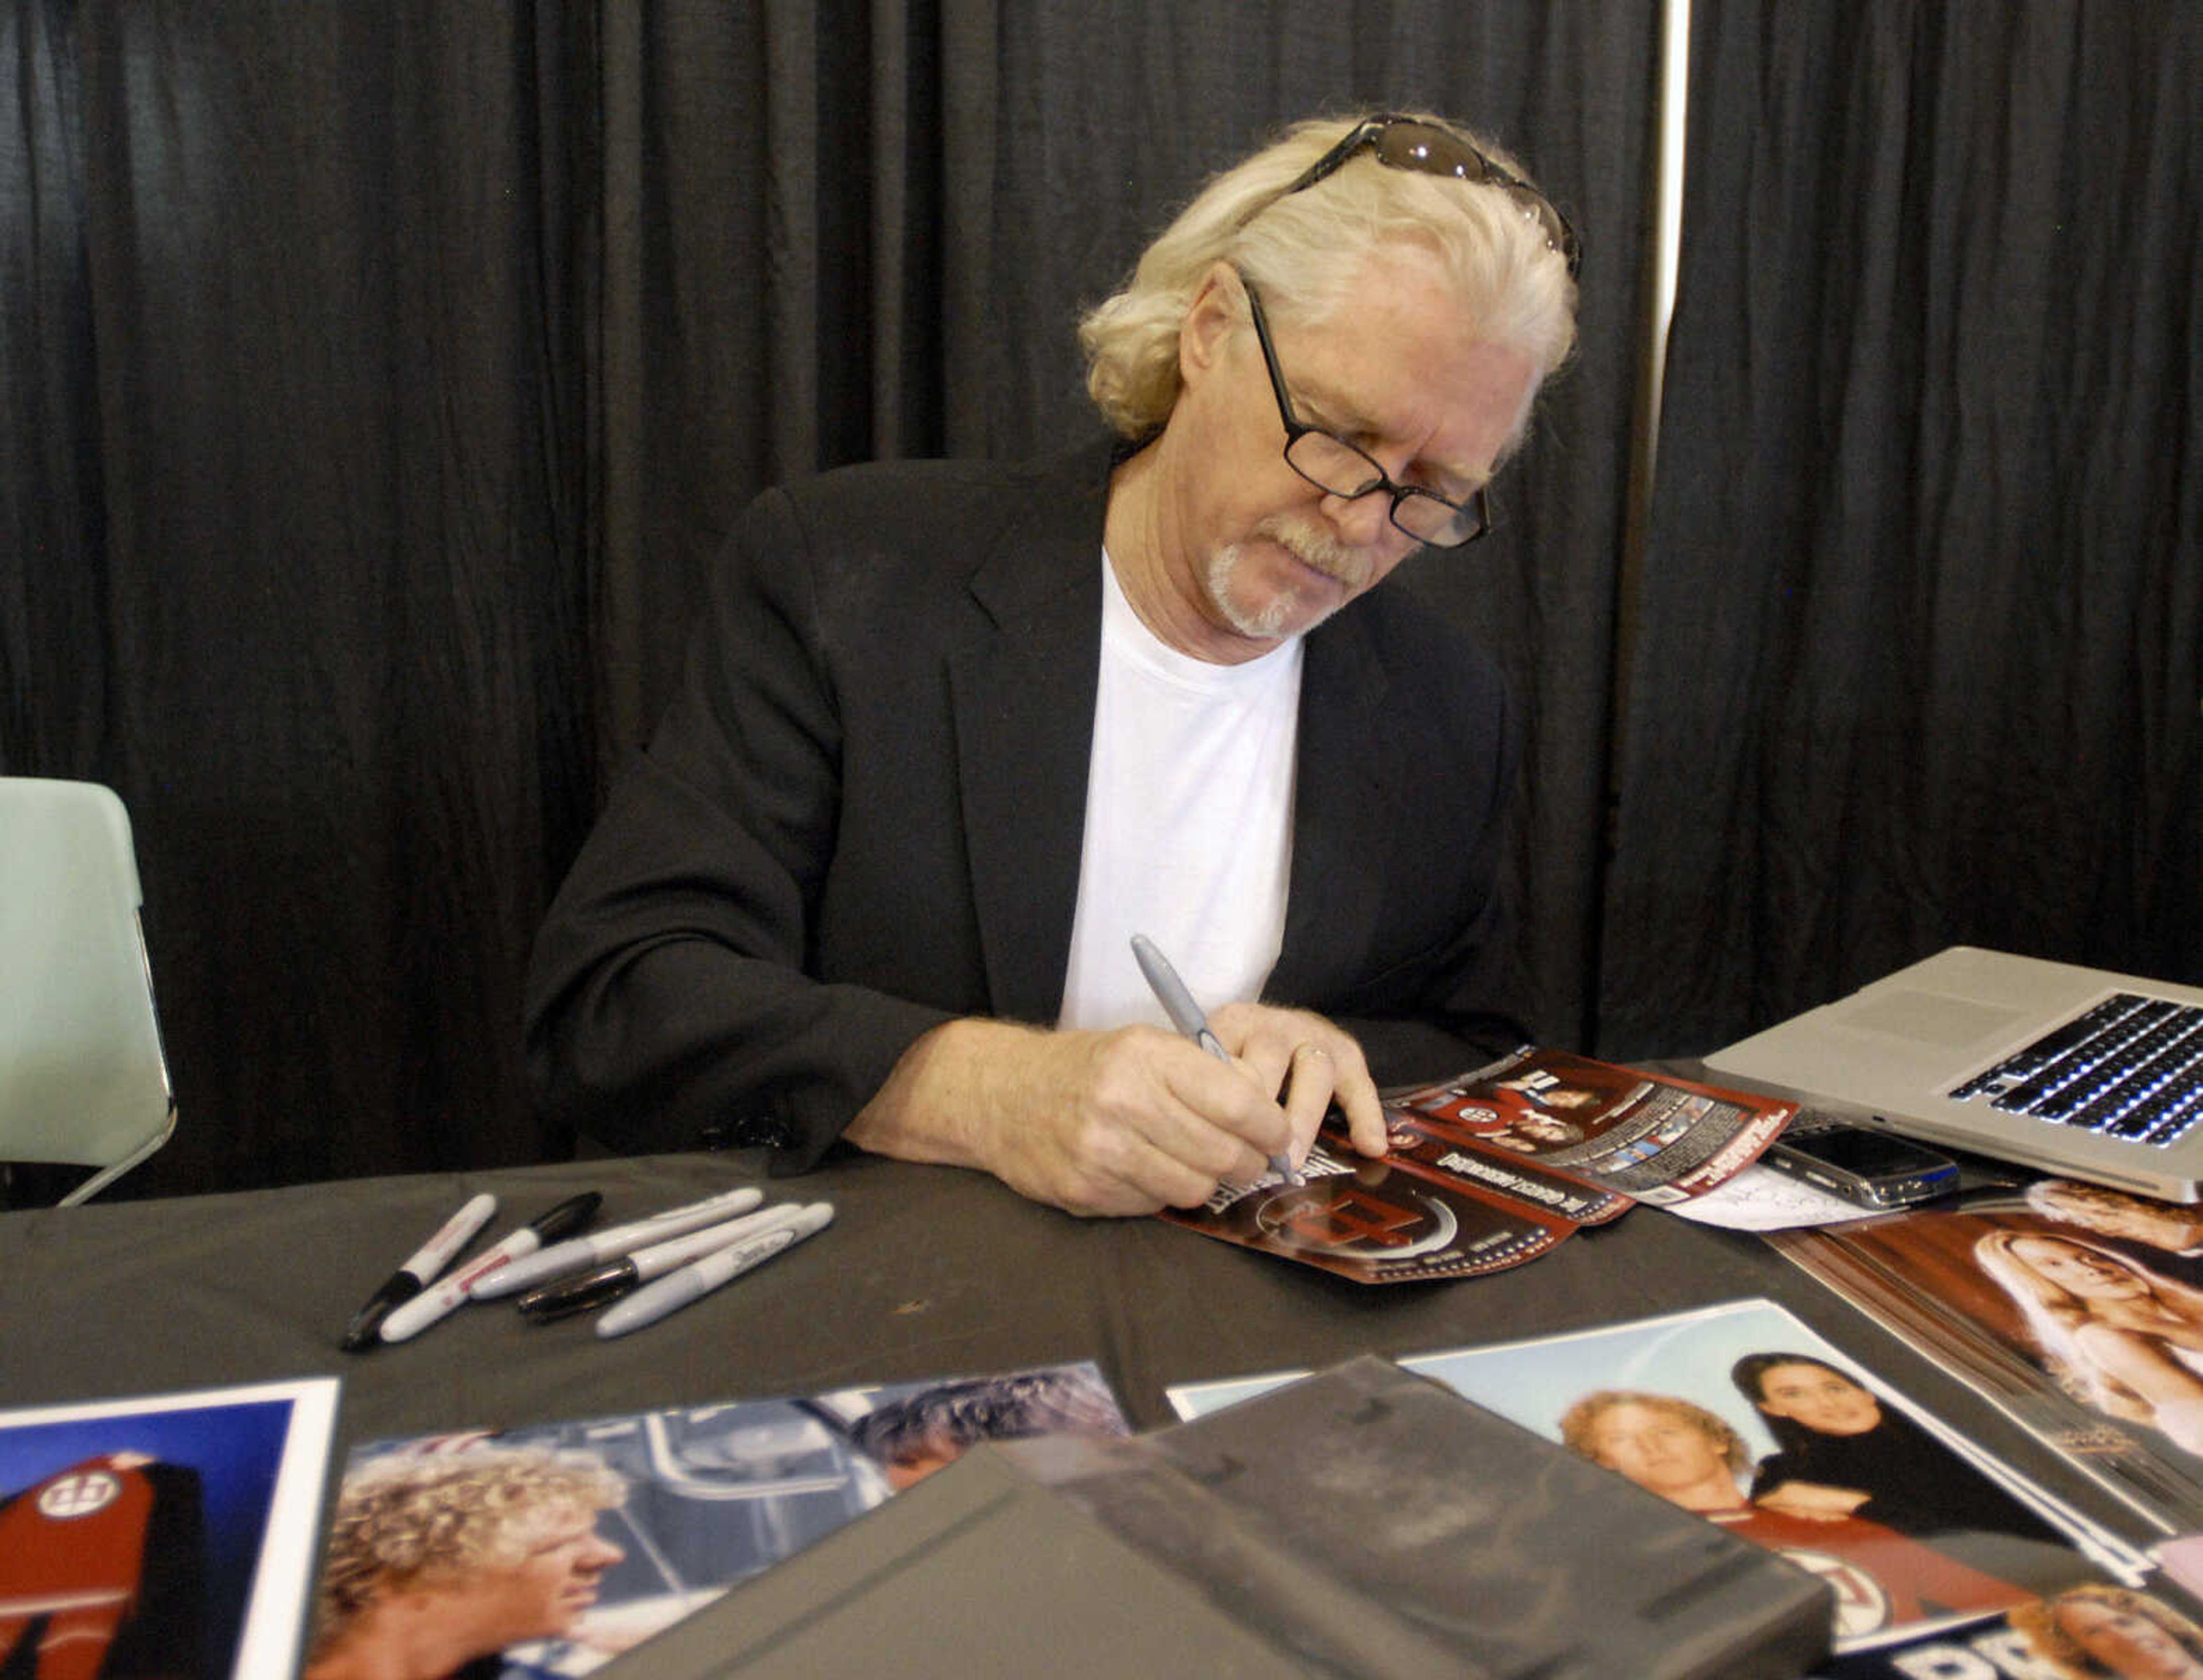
[(1346, 802), (1023, 699)]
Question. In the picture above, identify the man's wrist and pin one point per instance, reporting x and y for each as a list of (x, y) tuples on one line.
[(937, 1101)]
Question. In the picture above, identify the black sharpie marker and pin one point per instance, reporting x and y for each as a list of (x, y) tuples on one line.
[(580, 1291), (419, 1271), (431, 1304)]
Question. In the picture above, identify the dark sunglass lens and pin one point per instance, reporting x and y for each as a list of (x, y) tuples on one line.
[(1432, 151), (1428, 151)]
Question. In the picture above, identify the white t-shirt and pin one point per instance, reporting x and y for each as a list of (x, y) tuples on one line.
[(1188, 822)]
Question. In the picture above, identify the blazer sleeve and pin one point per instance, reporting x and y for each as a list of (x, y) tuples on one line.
[(667, 1004)]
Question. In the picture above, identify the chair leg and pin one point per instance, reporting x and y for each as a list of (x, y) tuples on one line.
[(100, 1180)]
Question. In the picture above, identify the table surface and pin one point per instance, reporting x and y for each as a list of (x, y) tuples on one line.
[(926, 1272)]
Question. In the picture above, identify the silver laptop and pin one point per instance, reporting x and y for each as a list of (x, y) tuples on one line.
[(2079, 1071)]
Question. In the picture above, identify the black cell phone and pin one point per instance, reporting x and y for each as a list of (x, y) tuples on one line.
[(1870, 1167)]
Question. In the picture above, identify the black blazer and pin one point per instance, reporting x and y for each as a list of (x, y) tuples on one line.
[(863, 815)]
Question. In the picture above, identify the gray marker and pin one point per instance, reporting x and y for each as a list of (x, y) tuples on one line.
[(588, 1251), (600, 1286), (670, 1294), (1185, 1015)]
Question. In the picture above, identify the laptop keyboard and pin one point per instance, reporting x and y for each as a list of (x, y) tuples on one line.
[(2132, 1068)]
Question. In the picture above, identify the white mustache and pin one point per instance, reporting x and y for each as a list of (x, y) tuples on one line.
[(1318, 550)]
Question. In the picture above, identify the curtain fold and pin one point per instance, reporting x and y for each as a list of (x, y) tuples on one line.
[(53, 584), (322, 262), (381, 380), (1918, 648)]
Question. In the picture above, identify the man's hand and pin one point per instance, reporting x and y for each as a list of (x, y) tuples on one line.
[(1123, 1121), (1314, 1062)]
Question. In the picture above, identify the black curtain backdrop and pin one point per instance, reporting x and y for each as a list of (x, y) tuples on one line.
[(379, 379), (1917, 658), (376, 381)]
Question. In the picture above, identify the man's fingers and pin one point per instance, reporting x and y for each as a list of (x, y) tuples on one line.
[(1217, 1115), (1365, 1111), (1315, 1063), (1099, 1162), (1311, 1080)]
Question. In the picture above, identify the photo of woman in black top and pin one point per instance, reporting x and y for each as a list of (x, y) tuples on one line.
[(1844, 1454)]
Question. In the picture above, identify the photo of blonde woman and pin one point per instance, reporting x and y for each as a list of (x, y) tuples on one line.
[(2118, 1336), (2110, 1633)]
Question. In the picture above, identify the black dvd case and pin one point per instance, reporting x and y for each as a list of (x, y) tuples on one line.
[(1362, 1522)]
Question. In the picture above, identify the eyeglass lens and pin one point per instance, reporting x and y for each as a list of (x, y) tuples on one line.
[(1337, 468)]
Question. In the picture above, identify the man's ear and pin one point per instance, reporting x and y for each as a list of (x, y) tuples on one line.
[(1217, 308)]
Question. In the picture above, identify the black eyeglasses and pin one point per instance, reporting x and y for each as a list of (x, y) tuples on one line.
[(1408, 143), (1337, 468)]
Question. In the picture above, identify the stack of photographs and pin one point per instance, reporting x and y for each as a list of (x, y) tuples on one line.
[(548, 1550), (167, 1535), (1944, 1563), (1490, 1170)]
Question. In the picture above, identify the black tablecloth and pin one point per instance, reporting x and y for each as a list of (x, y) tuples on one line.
[(926, 1272)]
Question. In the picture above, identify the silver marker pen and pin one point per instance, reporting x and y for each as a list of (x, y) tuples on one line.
[(1186, 1016)]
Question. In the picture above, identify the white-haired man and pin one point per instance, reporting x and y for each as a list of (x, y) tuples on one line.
[(953, 731)]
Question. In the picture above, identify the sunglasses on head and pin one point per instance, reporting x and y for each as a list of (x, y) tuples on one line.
[(1425, 149)]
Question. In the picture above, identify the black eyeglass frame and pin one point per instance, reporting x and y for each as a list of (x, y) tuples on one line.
[(1442, 152), (1478, 506)]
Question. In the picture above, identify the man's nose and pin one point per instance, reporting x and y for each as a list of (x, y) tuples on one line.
[(1362, 521)]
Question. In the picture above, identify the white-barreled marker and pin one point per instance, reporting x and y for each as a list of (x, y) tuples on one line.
[(587, 1251), (446, 1296), (670, 1294), (600, 1286)]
